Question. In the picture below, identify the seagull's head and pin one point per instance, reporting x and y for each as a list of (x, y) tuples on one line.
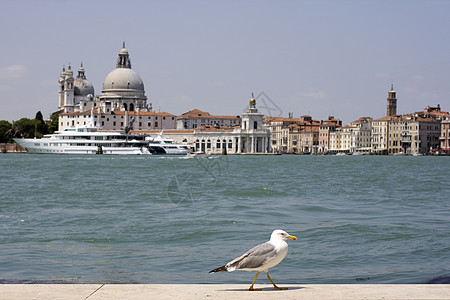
[(281, 235)]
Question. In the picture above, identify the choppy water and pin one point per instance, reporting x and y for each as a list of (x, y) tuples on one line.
[(143, 219)]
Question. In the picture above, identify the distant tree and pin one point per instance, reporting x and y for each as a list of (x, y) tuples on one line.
[(39, 117), (53, 126), (42, 128), (5, 127), (26, 128)]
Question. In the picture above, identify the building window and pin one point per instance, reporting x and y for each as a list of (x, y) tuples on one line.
[(156, 124), (218, 144), (208, 144)]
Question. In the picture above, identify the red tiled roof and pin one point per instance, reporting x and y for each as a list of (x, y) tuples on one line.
[(198, 114)]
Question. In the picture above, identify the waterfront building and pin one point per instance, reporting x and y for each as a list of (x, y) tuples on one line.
[(300, 135), (361, 135), (380, 127), (279, 132), (119, 120), (341, 140), (251, 137), (415, 133), (379, 135), (121, 105), (326, 127), (304, 136), (196, 118), (445, 134)]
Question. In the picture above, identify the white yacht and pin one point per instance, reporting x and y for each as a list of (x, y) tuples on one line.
[(161, 145), (86, 140)]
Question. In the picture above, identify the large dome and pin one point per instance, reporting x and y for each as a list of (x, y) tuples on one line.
[(123, 79)]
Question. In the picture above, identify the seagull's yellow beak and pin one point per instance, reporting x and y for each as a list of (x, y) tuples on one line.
[(291, 237)]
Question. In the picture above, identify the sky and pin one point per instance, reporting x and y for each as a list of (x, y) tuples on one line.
[(319, 58)]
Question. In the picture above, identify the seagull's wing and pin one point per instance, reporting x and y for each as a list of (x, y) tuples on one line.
[(253, 258)]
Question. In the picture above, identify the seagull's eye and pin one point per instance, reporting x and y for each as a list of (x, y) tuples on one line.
[(282, 233)]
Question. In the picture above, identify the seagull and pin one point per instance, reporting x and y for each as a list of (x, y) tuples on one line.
[(261, 257)]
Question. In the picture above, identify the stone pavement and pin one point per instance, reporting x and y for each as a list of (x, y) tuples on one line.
[(224, 291)]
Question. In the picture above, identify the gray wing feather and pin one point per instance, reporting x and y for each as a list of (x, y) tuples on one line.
[(255, 257)]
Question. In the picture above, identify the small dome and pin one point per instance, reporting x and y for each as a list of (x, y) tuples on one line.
[(123, 79), (252, 101), (82, 87), (123, 51)]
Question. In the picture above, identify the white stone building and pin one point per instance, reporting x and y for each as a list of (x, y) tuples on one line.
[(248, 138)]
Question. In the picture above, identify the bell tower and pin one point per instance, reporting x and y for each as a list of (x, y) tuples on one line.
[(62, 78), (391, 103), (68, 90)]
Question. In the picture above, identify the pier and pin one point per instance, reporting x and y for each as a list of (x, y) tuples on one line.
[(224, 291)]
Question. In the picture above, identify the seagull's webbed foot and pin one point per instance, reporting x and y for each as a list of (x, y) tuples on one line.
[(274, 285), (279, 288), (253, 283)]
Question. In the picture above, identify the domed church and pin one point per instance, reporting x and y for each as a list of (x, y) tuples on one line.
[(122, 90), (123, 96)]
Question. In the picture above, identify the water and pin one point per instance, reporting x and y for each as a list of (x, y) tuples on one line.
[(144, 219)]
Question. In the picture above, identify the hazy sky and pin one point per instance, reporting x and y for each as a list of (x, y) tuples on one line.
[(309, 57)]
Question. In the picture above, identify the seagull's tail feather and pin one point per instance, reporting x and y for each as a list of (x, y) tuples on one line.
[(219, 269)]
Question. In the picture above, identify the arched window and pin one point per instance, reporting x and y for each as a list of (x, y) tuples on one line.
[(125, 106), (255, 125), (131, 107), (203, 145)]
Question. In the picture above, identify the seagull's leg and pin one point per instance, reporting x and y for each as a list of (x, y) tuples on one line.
[(274, 285), (251, 287)]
